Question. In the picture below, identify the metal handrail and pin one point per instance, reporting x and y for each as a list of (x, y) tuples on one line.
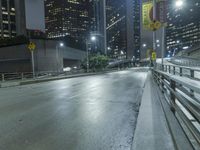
[(38, 75), (185, 61), (190, 72), (182, 99)]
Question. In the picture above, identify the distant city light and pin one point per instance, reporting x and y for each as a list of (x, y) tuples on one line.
[(186, 47), (178, 42), (61, 44), (122, 53), (93, 38), (157, 41), (144, 45), (109, 48)]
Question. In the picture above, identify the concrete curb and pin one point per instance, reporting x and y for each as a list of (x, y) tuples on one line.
[(151, 130)]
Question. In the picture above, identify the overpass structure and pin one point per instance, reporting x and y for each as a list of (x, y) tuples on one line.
[(48, 57), (167, 99)]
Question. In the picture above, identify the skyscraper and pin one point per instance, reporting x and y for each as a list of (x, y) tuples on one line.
[(12, 16), (123, 28), (67, 18), (99, 25), (183, 29)]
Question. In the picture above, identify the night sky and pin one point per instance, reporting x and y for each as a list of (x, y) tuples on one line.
[(35, 14)]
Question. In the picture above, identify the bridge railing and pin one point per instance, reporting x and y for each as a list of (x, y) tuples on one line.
[(38, 75), (183, 97), (29, 75), (15, 76), (190, 72), (186, 61)]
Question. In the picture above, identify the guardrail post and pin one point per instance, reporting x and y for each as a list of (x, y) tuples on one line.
[(3, 77), (172, 96), (181, 71), (163, 69), (162, 83), (22, 76), (174, 69), (192, 76)]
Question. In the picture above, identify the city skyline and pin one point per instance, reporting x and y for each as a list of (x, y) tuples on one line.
[(91, 23)]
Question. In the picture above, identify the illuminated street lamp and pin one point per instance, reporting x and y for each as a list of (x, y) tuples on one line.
[(93, 39), (144, 45), (61, 44), (179, 3)]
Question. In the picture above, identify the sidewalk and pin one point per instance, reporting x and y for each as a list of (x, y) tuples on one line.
[(157, 128)]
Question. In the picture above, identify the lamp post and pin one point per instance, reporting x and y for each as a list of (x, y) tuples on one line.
[(154, 32), (178, 4), (58, 46), (93, 39)]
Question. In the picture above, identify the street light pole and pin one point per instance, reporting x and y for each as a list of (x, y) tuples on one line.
[(154, 32), (58, 45), (87, 53), (104, 30), (163, 45), (57, 57)]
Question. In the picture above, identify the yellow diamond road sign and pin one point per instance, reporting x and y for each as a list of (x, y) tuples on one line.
[(31, 46)]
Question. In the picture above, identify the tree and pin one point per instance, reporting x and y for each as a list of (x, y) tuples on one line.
[(96, 62)]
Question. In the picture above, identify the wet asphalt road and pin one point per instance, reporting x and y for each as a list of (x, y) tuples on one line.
[(87, 113)]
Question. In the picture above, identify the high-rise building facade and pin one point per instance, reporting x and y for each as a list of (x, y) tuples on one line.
[(12, 16), (183, 29), (67, 18), (123, 28), (98, 26)]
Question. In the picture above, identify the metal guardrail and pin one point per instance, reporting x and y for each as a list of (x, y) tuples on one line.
[(15, 76), (183, 100), (193, 73), (29, 75), (186, 61)]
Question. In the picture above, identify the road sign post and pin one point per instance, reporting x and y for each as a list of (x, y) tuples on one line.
[(31, 47)]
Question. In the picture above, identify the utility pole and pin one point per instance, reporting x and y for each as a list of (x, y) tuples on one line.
[(87, 53), (154, 18), (104, 30), (163, 45)]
